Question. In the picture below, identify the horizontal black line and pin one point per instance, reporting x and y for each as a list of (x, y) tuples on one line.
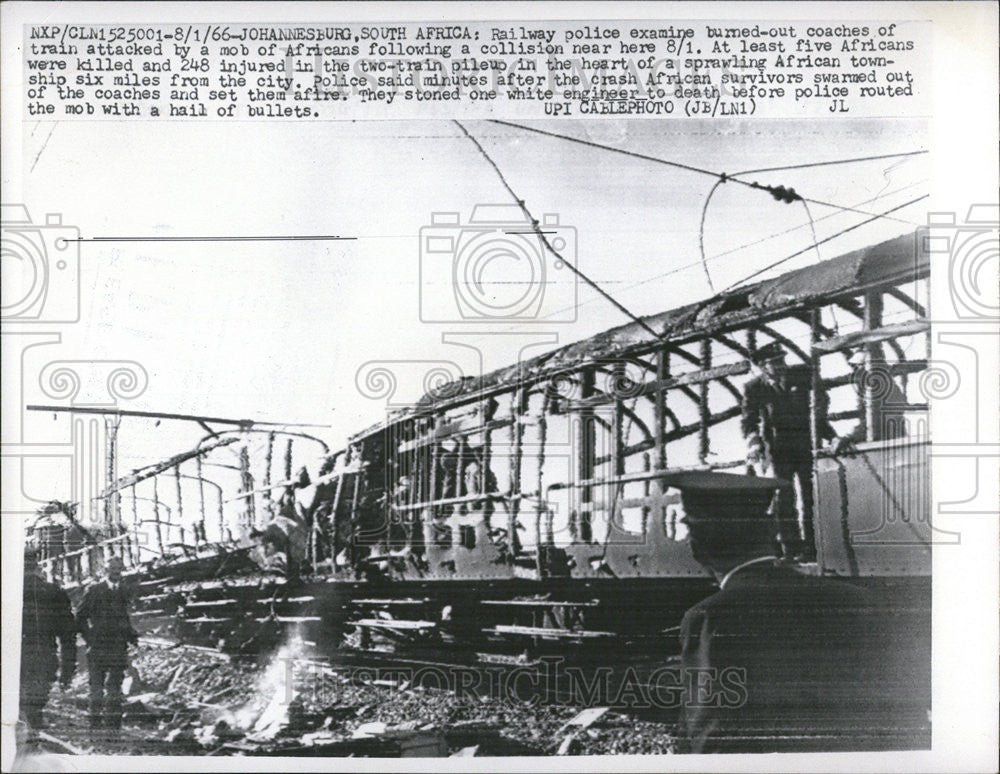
[(316, 238)]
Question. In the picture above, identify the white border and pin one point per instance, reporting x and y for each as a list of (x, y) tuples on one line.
[(965, 163)]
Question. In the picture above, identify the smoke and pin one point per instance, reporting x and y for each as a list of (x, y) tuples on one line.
[(271, 707)]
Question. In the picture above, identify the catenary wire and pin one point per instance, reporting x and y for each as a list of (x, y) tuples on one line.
[(776, 191), (744, 246), (812, 225), (736, 249), (826, 239), (541, 235)]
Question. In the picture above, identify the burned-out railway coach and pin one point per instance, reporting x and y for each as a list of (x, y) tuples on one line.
[(535, 507)]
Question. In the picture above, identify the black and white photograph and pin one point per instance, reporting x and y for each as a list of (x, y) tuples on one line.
[(499, 384)]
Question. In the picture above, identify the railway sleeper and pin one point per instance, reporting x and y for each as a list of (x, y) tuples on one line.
[(541, 631), (540, 603), (398, 624), (387, 602)]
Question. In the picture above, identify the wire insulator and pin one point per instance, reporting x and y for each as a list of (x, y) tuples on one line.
[(782, 194)]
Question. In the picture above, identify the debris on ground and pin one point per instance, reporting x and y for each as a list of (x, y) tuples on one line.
[(197, 701), (580, 722)]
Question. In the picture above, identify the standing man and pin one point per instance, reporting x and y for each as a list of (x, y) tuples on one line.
[(776, 660), (775, 424), (46, 616), (104, 621)]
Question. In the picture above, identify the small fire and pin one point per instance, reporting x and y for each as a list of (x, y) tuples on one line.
[(267, 713), (275, 686)]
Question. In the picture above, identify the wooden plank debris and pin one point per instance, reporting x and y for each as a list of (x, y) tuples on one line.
[(380, 623), (540, 631), (584, 719), (407, 601), (375, 728), (71, 749), (859, 338), (579, 722), (273, 719), (539, 603), (174, 678)]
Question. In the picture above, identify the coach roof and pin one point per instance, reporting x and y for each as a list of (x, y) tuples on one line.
[(894, 261)]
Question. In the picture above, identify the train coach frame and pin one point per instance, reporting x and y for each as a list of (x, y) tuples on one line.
[(528, 510), (425, 498)]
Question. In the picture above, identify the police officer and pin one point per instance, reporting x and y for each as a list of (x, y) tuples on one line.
[(776, 425), (776, 660), (104, 622), (46, 616)]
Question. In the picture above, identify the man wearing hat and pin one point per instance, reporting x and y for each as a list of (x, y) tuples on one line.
[(792, 651), (46, 617), (775, 424), (104, 621)]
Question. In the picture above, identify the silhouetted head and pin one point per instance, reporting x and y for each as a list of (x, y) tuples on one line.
[(115, 567), (31, 561), (727, 517)]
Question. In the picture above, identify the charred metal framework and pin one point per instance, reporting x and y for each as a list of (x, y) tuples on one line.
[(553, 467), (159, 527), (527, 511)]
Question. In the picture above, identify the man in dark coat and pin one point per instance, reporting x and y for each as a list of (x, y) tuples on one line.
[(46, 617), (104, 621), (775, 423), (776, 660)]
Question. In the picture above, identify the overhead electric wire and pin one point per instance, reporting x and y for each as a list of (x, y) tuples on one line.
[(777, 191), (736, 176), (834, 161), (812, 229), (819, 259), (633, 154), (701, 233), (743, 246), (701, 228), (755, 242), (541, 235), (827, 239)]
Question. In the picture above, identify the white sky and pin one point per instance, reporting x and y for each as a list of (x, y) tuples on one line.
[(278, 330)]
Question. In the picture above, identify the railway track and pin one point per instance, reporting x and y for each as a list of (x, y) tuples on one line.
[(564, 617), (540, 647)]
